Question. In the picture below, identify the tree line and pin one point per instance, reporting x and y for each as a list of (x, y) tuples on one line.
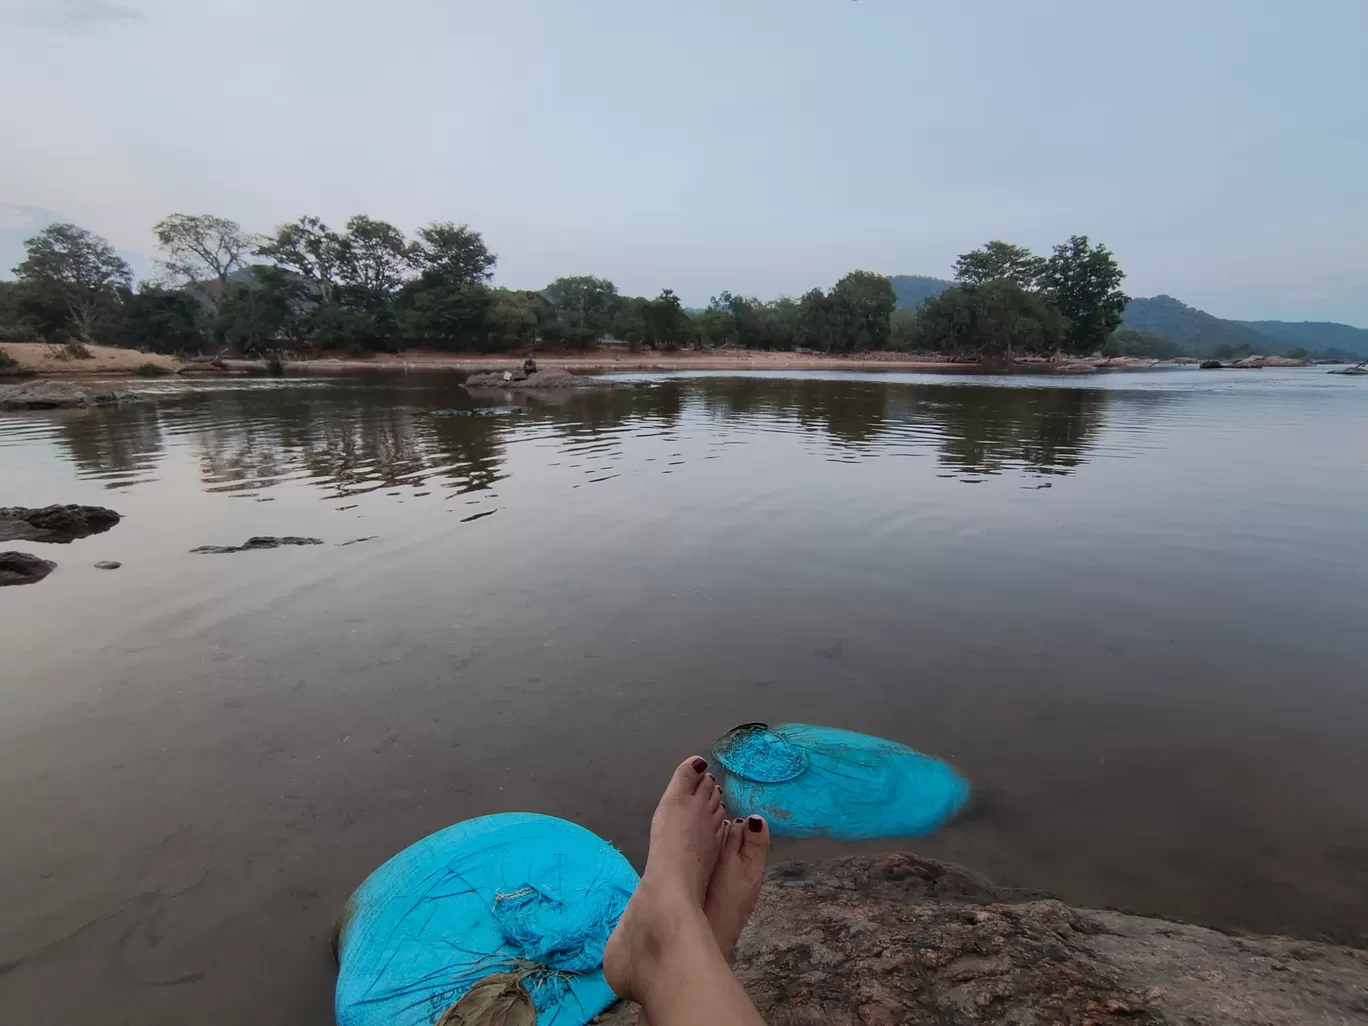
[(369, 287)]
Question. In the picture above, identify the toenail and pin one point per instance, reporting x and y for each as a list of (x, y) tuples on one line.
[(738, 819), (755, 824), (700, 765)]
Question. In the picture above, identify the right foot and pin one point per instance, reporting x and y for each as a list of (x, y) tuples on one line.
[(735, 883), (686, 838)]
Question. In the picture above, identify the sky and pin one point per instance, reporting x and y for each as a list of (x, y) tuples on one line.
[(1218, 147)]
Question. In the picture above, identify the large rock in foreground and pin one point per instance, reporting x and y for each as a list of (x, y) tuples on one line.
[(898, 939), (23, 568), (58, 395), (54, 523)]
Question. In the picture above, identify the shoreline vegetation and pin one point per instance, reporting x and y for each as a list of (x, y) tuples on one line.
[(369, 288), (307, 291)]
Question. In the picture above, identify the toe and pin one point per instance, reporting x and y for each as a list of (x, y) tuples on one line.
[(756, 841), (724, 836), (713, 793), (687, 776), (736, 836)]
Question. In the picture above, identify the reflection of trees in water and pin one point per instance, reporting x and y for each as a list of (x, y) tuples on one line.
[(361, 437), (355, 439), (979, 429), (984, 429), (117, 443)]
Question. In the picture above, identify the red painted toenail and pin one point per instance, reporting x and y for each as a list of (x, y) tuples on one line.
[(700, 765), (755, 824)]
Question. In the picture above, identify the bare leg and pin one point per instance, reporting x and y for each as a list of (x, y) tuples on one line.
[(735, 885), (663, 954)]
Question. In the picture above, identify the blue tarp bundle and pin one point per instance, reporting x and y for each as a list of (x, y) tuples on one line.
[(516, 892), (813, 781)]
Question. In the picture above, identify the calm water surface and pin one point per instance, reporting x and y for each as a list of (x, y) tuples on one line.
[(1131, 609)]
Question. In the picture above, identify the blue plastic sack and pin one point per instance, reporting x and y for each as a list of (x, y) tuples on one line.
[(813, 781), (515, 892)]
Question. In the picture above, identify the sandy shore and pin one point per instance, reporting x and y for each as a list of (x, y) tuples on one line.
[(607, 360), (53, 359)]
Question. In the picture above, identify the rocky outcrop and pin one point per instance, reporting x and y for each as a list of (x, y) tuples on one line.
[(23, 568), (257, 543), (550, 378), (1258, 362), (54, 523), (59, 395), (897, 940)]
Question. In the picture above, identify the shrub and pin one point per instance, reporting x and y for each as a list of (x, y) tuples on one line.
[(151, 370), (77, 351), (8, 364)]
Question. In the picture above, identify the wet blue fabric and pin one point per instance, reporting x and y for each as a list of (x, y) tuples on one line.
[(811, 781), (515, 892)]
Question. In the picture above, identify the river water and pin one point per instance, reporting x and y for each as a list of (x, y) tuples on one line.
[(1131, 609)]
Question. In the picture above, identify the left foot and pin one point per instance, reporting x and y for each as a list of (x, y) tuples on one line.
[(667, 906)]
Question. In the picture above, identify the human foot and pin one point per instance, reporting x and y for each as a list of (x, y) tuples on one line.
[(667, 907), (735, 883)]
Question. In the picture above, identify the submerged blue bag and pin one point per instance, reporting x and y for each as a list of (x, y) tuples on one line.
[(512, 893), (813, 781)]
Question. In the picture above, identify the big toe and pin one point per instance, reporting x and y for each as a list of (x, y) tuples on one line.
[(687, 776), (755, 839)]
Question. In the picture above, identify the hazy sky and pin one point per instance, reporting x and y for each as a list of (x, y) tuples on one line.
[(1220, 147)]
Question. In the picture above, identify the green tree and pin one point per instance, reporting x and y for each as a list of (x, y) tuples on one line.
[(1084, 282), (203, 251), (164, 320), (999, 260), (515, 318), (862, 303), (312, 251), (666, 322), (450, 300), (71, 269), (374, 259), (989, 323), (818, 326), (271, 312), (716, 326), (373, 264), (583, 308)]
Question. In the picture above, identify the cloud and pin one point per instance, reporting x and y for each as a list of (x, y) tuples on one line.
[(74, 16)]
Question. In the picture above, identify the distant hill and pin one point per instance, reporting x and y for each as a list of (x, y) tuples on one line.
[(914, 289), (1198, 332), (1314, 336)]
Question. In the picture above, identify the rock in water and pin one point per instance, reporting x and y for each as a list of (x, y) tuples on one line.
[(23, 568), (260, 542), (1211, 365), (54, 523), (108, 564), (550, 378), (58, 395)]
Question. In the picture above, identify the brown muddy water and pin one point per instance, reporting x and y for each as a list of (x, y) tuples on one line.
[(1130, 609)]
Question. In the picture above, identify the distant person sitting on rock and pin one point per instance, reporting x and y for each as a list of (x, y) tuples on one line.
[(529, 366), (669, 951)]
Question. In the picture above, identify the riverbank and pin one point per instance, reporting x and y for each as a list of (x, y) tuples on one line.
[(895, 940), (56, 360)]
